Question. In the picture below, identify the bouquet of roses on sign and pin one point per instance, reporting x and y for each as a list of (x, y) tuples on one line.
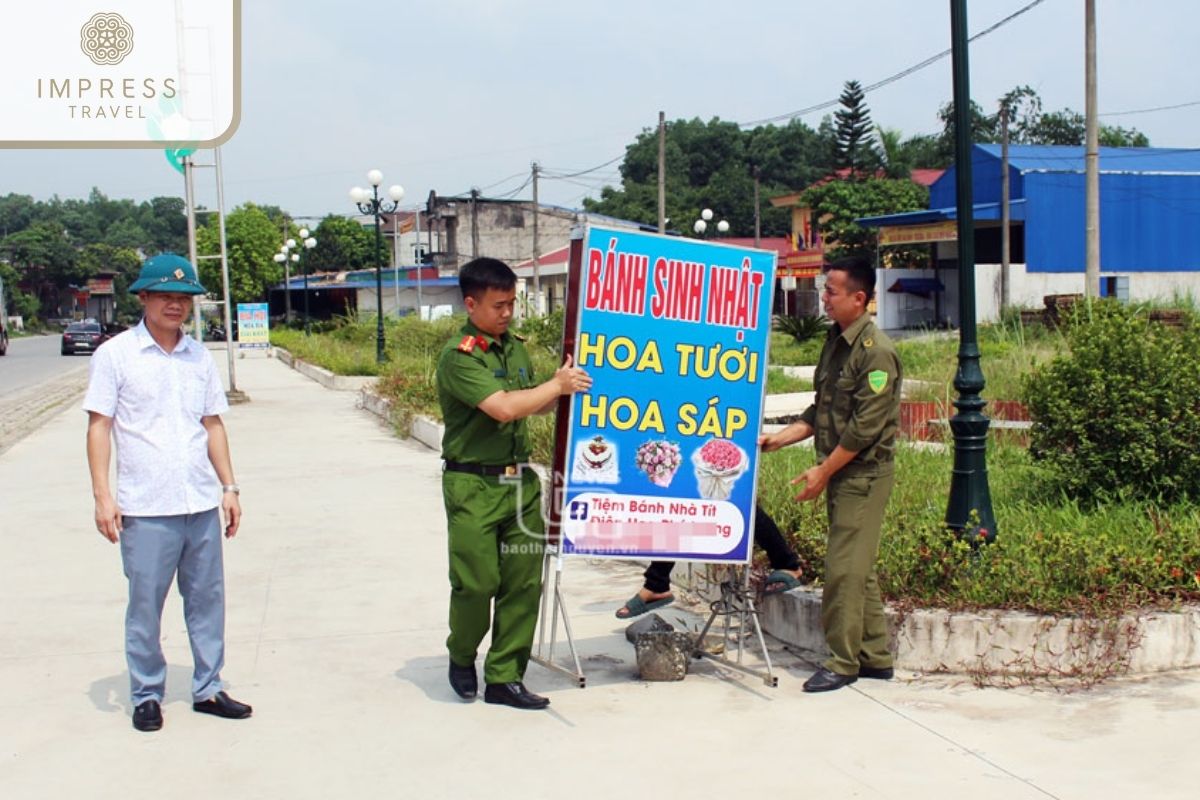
[(659, 459), (719, 463)]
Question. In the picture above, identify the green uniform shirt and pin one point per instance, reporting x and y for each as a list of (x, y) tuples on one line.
[(470, 369), (858, 397)]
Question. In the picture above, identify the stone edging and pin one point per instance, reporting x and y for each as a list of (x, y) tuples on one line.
[(339, 383), (1004, 643)]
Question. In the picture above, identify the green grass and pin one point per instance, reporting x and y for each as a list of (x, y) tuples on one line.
[(1050, 555), (779, 383)]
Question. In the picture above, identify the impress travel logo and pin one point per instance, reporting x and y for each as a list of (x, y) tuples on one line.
[(137, 73), (106, 38)]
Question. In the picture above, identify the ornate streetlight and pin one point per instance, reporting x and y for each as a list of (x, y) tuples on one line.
[(701, 225), (286, 257), (309, 243), (371, 203), (969, 511)]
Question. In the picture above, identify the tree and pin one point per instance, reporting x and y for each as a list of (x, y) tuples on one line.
[(896, 163), (837, 204), (44, 259), (342, 244), (712, 165), (854, 148), (251, 241)]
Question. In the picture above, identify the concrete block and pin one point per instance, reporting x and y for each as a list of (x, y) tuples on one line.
[(650, 623), (663, 655)]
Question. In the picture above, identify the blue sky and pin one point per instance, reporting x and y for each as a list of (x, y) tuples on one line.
[(451, 94)]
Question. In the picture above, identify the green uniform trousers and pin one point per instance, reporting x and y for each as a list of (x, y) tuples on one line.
[(851, 607), (496, 545)]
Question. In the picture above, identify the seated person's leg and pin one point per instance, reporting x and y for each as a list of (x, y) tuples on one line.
[(655, 592), (785, 564)]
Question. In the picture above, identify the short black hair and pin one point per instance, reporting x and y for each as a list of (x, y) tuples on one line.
[(860, 273), (480, 274)]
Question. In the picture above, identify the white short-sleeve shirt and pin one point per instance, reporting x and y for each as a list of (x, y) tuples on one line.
[(157, 400)]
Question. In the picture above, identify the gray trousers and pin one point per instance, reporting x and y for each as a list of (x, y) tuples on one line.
[(154, 550)]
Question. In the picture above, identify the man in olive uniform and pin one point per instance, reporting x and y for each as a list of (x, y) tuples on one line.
[(486, 389), (854, 418)]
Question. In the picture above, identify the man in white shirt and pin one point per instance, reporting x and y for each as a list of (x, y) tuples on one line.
[(156, 392)]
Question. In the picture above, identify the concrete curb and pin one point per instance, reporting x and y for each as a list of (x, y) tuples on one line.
[(1005, 643), (339, 383)]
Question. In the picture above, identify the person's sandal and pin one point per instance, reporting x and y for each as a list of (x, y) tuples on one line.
[(636, 606), (780, 581)]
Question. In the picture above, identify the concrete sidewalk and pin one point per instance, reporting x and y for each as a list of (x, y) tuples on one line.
[(337, 597)]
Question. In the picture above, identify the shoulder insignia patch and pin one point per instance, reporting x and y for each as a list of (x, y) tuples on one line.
[(467, 344), (877, 379)]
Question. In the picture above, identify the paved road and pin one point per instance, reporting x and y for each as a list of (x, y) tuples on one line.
[(34, 360), (36, 381)]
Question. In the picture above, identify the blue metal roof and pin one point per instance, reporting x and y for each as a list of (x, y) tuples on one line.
[(1016, 211), (1070, 158), (1149, 205), (364, 279)]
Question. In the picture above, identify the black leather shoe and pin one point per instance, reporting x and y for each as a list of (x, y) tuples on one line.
[(222, 705), (515, 695), (463, 681), (824, 680), (877, 673), (148, 716)]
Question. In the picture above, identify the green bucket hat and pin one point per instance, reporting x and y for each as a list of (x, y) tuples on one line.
[(167, 272)]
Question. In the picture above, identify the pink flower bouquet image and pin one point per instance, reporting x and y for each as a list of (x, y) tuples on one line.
[(719, 463), (660, 460)]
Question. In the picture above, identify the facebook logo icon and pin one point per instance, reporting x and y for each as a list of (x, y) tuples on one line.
[(578, 510)]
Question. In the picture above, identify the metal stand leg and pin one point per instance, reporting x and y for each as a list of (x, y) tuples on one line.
[(737, 601), (558, 607)]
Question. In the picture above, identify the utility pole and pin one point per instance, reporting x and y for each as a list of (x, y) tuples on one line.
[(474, 223), (757, 209), (420, 263), (662, 172), (189, 197), (1005, 255), (1091, 156), (537, 276)]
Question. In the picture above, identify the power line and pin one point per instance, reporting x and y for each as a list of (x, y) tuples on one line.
[(1150, 110), (891, 78)]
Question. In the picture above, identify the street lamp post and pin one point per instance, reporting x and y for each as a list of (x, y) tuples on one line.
[(701, 225), (372, 203), (969, 510), (286, 257), (309, 243)]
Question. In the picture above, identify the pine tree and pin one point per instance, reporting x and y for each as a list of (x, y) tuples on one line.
[(855, 148)]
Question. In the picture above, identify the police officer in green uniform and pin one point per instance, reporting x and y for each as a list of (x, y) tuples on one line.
[(486, 388), (854, 419)]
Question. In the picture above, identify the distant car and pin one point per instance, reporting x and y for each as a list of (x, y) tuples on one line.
[(82, 337)]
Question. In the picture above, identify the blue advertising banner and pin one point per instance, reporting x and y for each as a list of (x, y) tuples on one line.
[(662, 452), (253, 326)]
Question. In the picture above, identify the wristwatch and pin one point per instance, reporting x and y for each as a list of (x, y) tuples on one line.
[(230, 487)]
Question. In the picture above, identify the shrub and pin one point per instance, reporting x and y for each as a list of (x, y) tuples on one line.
[(1119, 413), (801, 328)]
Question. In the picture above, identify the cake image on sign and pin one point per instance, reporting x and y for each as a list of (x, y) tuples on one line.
[(595, 462), (718, 463), (660, 460)]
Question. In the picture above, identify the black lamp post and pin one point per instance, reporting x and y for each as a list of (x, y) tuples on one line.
[(969, 493), (371, 203), (309, 243)]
